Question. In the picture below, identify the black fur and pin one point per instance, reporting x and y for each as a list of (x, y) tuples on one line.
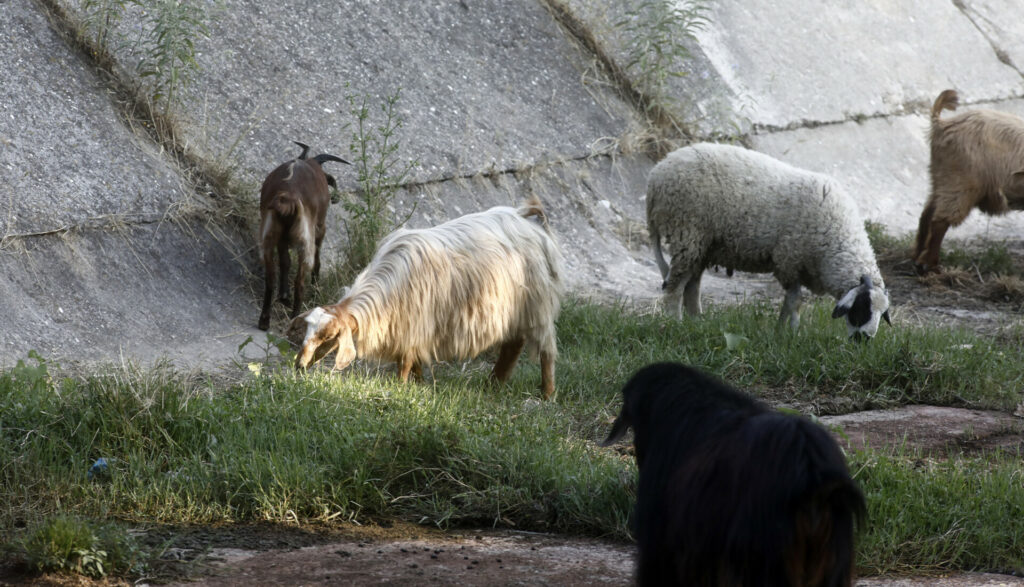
[(732, 493)]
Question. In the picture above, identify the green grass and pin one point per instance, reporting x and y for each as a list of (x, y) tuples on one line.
[(457, 451), (936, 515)]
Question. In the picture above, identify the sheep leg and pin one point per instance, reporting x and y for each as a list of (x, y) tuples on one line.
[(268, 290), (507, 358), (691, 294), (790, 308), (547, 374), (285, 260)]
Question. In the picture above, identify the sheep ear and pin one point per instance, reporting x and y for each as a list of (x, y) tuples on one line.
[(622, 423), (885, 316), (845, 303)]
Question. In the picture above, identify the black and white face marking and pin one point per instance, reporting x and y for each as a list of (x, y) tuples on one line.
[(864, 307)]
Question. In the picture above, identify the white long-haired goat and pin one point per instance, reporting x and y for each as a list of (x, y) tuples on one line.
[(450, 292)]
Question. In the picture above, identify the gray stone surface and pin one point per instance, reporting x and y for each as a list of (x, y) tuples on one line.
[(500, 100), (137, 294), (799, 62), (93, 265), (485, 84), (883, 162), (66, 156)]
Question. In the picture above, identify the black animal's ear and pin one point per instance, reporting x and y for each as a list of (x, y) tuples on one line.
[(885, 316), (840, 311), (619, 427)]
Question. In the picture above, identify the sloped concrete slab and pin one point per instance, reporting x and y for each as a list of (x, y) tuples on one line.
[(1000, 22), (66, 157), (93, 263), (143, 294), (883, 162), (486, 85), (800, 62)]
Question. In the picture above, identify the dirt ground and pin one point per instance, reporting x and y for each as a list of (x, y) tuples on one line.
[(405, 554)]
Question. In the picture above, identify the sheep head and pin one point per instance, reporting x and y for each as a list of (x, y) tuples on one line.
[(864, 307), (328, 328)]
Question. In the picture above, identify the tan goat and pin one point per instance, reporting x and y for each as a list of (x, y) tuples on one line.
[(977, 161)]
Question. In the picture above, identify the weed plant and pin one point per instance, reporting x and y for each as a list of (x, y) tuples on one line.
[(165, 41), (658, 33), (458, 451), (380, 173)]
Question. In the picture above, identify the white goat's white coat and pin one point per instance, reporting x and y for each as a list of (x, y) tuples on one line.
[(449, 292), (743, 210)]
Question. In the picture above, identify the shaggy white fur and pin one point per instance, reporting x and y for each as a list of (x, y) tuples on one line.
[(740, 209), (450, 292)]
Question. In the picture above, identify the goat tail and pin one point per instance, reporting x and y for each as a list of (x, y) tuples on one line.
[(285, 205), (533, 207), (947, 100), (323, 157), (658, 257)]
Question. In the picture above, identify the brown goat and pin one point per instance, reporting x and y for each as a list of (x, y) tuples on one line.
[(977, 161), (293, 212)]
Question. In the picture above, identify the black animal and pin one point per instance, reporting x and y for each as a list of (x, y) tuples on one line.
[(731, 492)]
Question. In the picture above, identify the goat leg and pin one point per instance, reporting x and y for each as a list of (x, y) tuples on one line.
[(507, 358)]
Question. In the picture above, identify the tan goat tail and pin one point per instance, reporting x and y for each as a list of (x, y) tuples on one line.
[(533, 207), (947, 100)]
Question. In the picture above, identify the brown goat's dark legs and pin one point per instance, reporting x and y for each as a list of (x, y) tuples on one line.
[(316, 261), (547, 374), (300, 286), (285, 260), (507, 358), (268, 290)]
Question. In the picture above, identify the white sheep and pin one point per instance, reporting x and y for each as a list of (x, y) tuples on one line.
[(450, 292), (740, 209)]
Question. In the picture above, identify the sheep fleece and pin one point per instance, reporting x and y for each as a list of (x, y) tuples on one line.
[(740, 209)]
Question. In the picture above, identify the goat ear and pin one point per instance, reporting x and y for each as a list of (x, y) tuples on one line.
[(331, 181), (619, 427)]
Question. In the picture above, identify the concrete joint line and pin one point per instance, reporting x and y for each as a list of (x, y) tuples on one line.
[(494, 173), (95, 223)]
